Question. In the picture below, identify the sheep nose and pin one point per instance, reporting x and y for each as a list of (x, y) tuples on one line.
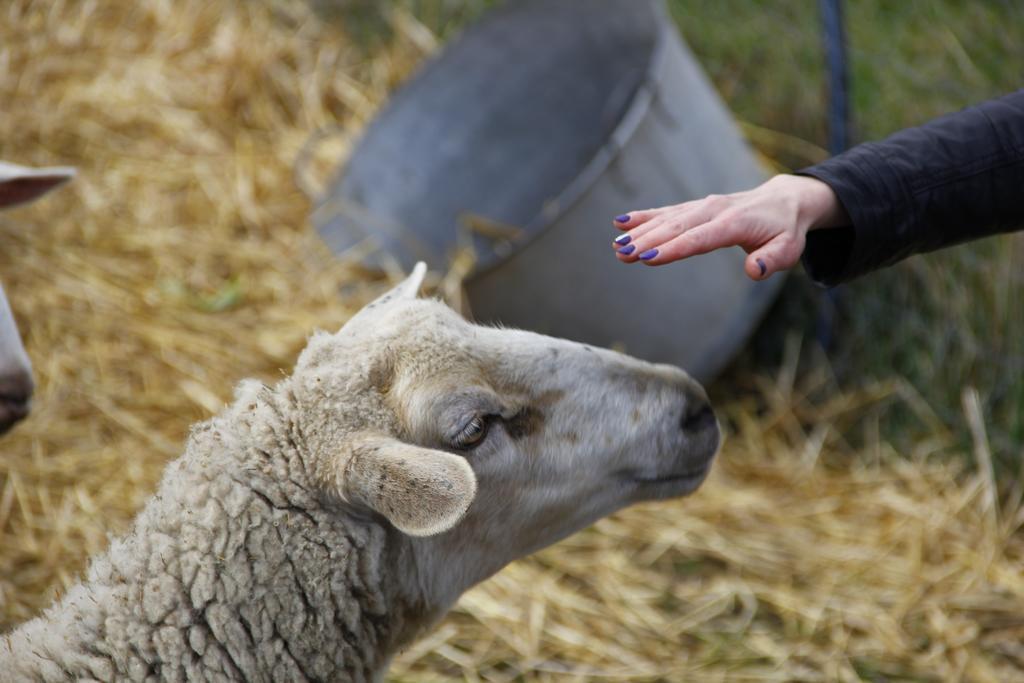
[(15, 392), (698, 416)]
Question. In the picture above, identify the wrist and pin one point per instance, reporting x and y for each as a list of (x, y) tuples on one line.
[(817, 203)]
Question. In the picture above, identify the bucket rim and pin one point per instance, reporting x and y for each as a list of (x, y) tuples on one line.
[(635, 114)]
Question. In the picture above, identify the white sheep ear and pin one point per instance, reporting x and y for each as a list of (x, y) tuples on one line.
[(409, 288), (406, 289), (20, 184), (421, 491)]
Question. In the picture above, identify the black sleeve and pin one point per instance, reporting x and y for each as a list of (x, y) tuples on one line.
[(956, 178)]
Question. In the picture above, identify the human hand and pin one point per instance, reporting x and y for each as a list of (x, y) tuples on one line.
[(770, 222)]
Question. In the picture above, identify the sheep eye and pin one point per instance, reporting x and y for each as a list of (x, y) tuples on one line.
[(472, 434)]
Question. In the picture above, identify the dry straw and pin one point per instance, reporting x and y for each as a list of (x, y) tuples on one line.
[(181, 260)]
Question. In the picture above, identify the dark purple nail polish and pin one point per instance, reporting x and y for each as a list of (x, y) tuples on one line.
[(760, 264), (624, 218), (623, 239), (648, 255), (626, 251)]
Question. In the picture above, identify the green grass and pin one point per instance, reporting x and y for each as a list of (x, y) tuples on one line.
[(910, 60), (944, 321)]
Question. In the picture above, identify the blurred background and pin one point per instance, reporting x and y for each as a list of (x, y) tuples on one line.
[(862, 522)]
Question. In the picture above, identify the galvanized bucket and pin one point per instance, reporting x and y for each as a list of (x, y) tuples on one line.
[(523, 138)]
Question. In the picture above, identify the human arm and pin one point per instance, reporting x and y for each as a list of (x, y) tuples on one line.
[(956, 178), (770, 222)]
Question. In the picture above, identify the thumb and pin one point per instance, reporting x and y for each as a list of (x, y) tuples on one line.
[(781, 253)]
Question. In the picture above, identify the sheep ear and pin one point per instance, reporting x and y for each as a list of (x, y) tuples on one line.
[(406, 289), (421, 491), (19, 184)]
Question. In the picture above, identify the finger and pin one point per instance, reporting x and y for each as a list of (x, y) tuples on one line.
[(700, 240), (633, 219), (666, 228), (782, 253), (625, 244), (628, 221)]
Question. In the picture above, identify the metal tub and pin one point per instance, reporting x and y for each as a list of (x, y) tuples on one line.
[(553, 116)]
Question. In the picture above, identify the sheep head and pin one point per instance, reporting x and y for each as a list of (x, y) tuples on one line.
[(19, 185), (492, 441)]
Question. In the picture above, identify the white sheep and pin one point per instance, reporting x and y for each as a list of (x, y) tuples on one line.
[(316, 527), (19, 185)]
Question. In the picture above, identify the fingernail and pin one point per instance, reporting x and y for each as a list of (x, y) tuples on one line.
[(624, 218), (648, 255), (622, 239), (626, 251), (760, 264)]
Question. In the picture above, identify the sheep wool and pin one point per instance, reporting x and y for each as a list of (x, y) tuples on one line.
[(316, 527)]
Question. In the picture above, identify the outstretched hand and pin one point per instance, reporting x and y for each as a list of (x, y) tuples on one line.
[(770, 222)]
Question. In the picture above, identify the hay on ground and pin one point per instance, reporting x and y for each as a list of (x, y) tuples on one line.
[(181, 260)]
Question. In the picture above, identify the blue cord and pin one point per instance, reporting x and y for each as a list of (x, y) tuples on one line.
[(838, 77), (838, 136)]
